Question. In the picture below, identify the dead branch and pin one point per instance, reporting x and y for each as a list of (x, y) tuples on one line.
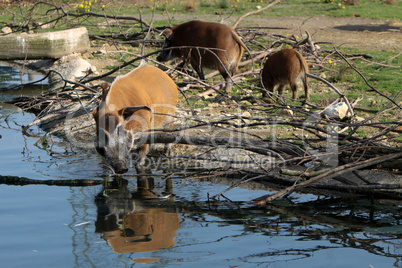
[(365, 80), (352, 113), (254, 12), (16, 180), (258, 146), (329, 174), (89, 14)]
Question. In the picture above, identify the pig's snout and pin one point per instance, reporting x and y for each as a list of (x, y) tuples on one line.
[(120, 169), (165, 55)]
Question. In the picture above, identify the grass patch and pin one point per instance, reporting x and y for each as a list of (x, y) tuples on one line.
[(384, 76), (361, 133), (365, 9), (306, 8)]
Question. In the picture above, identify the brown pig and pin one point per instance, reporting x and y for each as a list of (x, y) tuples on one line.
[(285, 67), (143, 99), (209, 44)]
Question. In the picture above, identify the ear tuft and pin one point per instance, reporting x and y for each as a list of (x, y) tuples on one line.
[(105, 90)]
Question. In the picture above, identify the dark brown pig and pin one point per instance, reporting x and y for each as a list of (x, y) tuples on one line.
[(209, 44), (141, 100), (285, 67)]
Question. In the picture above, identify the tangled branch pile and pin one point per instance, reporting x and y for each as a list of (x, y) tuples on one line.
[(241, 135)]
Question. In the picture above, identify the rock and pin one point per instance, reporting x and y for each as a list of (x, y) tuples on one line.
[(287, 111), (246, 114), (245, 103), (208, 96), (337, 111), (357, 119), (100, 51), (6, 30), (43, 25), (71, 67), (50, 45)]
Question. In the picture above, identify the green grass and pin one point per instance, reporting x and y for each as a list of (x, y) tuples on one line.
[(361, 133), (383, 76), (308, 8), (374, 9)]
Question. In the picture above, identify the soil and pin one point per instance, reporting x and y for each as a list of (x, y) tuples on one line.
[(355, 32)]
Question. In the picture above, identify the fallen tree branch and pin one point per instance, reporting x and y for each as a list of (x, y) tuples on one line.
[(352, 113), (16, 180), (328, 175), (88, 14), (365, 80), (257, 146)]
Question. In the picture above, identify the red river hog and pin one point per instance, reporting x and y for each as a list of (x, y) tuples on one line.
[(143, 99), (285, 67), (204, 44)]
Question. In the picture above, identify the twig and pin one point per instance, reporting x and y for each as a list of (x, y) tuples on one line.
[(254, 12), (352, 113), (243, 180)]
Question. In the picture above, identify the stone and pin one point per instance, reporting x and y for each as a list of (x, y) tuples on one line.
[(337, 111), (6, 30), (49, 45), (246, 114), (287, 111), (72, 68)]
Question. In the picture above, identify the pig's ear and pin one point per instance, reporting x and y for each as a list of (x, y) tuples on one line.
[(128, 111), (167, 32), (105, 90), (95, 113)]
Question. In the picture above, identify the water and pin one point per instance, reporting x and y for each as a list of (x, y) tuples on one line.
[(100, 226)]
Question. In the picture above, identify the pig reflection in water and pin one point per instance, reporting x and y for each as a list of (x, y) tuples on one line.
[(129, 223)]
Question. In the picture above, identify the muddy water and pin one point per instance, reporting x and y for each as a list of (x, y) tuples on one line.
[(122, 223)]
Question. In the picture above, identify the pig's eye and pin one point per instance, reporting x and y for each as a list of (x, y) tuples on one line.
[(101, 150)]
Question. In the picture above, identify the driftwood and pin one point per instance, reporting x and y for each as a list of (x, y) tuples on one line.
[(329, 174), (15, 180)]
